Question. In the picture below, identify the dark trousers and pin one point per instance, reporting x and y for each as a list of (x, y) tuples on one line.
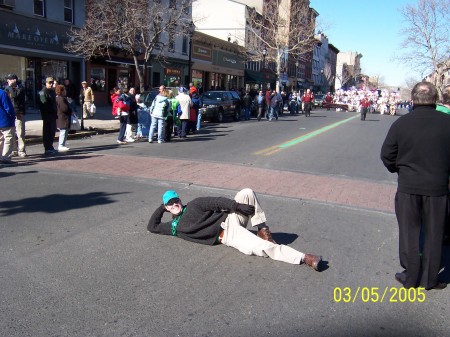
[(307, 109), (168, 129), (183, 129), (48, 132), (363, 114), (416, 214), (123, 127)]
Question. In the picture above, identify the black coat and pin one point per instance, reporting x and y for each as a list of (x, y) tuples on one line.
[(47, 103), (17, 95), (132, 113), (417, 147), (200, 222)]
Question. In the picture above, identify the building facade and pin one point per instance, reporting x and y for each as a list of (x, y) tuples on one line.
[(32, 38), (348, 69)]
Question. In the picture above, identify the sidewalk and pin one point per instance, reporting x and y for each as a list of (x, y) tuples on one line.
[(103, 122)]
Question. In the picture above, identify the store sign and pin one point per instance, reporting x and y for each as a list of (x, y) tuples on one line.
[(201, 52), (172, 72), (27, 32), (228, 60)]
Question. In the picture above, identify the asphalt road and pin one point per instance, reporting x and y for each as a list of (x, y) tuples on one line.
[(77, 259)]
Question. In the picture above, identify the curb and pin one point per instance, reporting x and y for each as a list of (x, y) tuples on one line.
[(77, 135)]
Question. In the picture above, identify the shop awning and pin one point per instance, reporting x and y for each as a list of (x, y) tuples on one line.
[(253, 76)]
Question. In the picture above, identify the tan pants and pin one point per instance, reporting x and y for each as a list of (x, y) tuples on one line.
[(19, 143), (6, 141), (237, 236), (87, 110)]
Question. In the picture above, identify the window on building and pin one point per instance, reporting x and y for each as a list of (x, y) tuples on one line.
[(68, 11), (39, 7), (184, 49), (172, 35)]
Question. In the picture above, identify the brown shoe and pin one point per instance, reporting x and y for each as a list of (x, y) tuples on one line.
[(265, 234), (313, 261)]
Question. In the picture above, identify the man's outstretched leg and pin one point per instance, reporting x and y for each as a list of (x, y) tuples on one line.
[(246, 242), (247, 196)]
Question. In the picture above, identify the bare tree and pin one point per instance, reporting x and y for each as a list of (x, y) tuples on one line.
[(143, 29), (411, 82), (284, 30), (426, 41)]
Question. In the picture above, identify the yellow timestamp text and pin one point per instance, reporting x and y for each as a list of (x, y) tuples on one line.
[(378, 295)]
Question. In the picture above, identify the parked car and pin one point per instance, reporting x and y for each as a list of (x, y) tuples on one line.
[(220, 104), (318, 100), (147, 97)]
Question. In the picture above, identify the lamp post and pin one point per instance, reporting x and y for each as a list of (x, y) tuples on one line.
[(296, 73), (81, 104), (321, 79), (191, 33)]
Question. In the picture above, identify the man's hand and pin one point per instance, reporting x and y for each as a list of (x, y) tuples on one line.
[(244, 209)]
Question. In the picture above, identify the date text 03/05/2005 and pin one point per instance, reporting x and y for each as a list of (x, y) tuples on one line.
[(377, 295)]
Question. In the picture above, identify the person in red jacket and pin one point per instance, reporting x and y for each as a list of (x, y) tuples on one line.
[(308, 98), (268, 97), (120, 108), (328, 99), (365, 104)]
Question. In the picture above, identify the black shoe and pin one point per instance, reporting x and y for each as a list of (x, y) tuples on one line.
[(438, 286), (399, 277)]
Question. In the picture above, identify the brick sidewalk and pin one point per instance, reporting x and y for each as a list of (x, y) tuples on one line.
[(333, 190)]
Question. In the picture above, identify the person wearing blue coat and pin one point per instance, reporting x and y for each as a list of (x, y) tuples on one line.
[(7, 122)]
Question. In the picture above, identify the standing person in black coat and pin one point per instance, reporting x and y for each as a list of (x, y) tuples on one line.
[(132, 119), (47, 106), (71, 94), (417, 148), (212, 220)]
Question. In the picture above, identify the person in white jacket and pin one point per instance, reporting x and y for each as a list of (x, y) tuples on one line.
[(185, 106), (158, 112)]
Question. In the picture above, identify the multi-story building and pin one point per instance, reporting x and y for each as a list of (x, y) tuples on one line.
[(324, 69), (222, 61), (332, 62), (348, 69), (32, 38)]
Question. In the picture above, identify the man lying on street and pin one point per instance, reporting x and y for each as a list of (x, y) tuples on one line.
[(213, 220)]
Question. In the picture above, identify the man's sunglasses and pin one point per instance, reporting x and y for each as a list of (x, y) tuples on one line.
[(173, 201)]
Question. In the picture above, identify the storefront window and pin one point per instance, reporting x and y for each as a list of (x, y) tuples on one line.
[(197, 78), (124, 78), (171, 75), (55, 69), (97, 80), (11, 64)]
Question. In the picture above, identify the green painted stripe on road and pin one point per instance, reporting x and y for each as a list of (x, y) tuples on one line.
[(276, 148), (315, 133)]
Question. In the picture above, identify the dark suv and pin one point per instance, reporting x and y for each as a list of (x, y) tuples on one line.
[(220, 104)]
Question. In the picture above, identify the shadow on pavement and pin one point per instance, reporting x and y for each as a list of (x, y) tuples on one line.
[(56, 203), (284, 238)]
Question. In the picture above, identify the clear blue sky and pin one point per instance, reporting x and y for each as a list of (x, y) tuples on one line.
[(370, 27)]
